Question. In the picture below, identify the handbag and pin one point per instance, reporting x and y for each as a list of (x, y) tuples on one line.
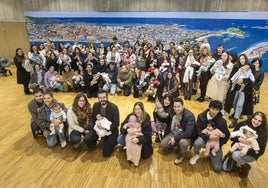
[(228, 163)]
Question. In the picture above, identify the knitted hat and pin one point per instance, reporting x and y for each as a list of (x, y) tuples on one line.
[(246, 127)]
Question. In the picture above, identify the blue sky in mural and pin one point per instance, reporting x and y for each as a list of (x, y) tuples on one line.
[(248, 33)]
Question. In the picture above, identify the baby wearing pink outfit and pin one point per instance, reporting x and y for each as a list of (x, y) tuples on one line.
[(133, 149), (212, 144)]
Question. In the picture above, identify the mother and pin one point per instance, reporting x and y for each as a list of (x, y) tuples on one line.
[(146, 139)]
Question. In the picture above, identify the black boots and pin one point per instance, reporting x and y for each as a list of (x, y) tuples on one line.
[(233, 124), (244, 170)]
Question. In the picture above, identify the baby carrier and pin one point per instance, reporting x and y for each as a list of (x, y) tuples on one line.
[(3, 64)]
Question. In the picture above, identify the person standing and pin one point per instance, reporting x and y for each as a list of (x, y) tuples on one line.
[(111, 112), (23, 77)]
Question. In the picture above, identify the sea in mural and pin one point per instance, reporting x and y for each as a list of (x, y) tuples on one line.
[(248, 36)]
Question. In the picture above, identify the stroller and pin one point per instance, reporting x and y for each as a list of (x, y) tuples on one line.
[(3, 64)]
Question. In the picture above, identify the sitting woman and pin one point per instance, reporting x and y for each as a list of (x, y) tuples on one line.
[(140, 82), (52, 79), (91, 83), (67, 78), (258, 123), (79, 118), (146, 139), (171, 86), (37, 78), (43, 121), (162, 117)]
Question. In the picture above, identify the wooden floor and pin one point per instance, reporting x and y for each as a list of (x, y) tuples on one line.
[(28, 162)]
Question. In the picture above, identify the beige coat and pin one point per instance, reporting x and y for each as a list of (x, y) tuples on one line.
[(217, 89)]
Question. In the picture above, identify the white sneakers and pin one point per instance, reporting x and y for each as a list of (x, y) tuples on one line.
[(63, 144), (194, 159)]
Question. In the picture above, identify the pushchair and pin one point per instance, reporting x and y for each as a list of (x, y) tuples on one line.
[(3, 64)]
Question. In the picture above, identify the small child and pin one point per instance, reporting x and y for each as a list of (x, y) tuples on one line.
[(55, 82), (57, 114), (219, 70), (152, 89), (157, 126), (78, 79), (105, 123), (133, 149), (106, 78), (212, 144), (250, 135), (205, 65), (243, 72)]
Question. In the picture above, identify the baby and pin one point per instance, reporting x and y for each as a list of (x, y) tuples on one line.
[(250, 135), (219, 70), (205, 65), (133, 149), (157, 126), (105, 123), (212, 144), (243, 72), (57, 114), (78, 79)]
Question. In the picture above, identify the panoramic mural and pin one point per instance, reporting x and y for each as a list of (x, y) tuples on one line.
[(240, 32)]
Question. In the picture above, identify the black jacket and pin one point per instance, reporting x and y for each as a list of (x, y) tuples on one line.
[(220, 124)]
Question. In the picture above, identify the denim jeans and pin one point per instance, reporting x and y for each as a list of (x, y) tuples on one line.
[(34, 127), (52, 140), (239, 100), (216, 161), (242, 160), (111, 87), (75, 137), (121, 139)]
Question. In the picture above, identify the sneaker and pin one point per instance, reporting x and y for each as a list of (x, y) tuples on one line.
[(194, 159), (178, 160), (63, 144), (76, 146)]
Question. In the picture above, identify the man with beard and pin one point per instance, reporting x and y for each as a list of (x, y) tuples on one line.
[(111, 112), (33, 105)]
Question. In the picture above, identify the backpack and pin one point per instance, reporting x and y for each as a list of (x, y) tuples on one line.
[(228, 163)]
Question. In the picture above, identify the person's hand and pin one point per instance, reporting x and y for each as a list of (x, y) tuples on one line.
[(100, 127), (131, 131), (244, 141), (86, 131), (240, 81), (46, 133), (134, 140), (171, 141), (214, 137), (56, 122)]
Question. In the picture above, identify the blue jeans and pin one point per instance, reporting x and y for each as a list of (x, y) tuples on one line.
[(111, 87), (75, 137), (239, 100), (126, 90), (121, 139), (216, 161), (242, 160), (34, 127), (52, 140)]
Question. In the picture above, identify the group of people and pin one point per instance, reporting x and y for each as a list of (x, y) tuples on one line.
[(145, 69), (100, 122), (227, 80)]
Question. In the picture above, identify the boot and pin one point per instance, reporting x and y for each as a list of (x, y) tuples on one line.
[(233, 124), (244, 170)]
